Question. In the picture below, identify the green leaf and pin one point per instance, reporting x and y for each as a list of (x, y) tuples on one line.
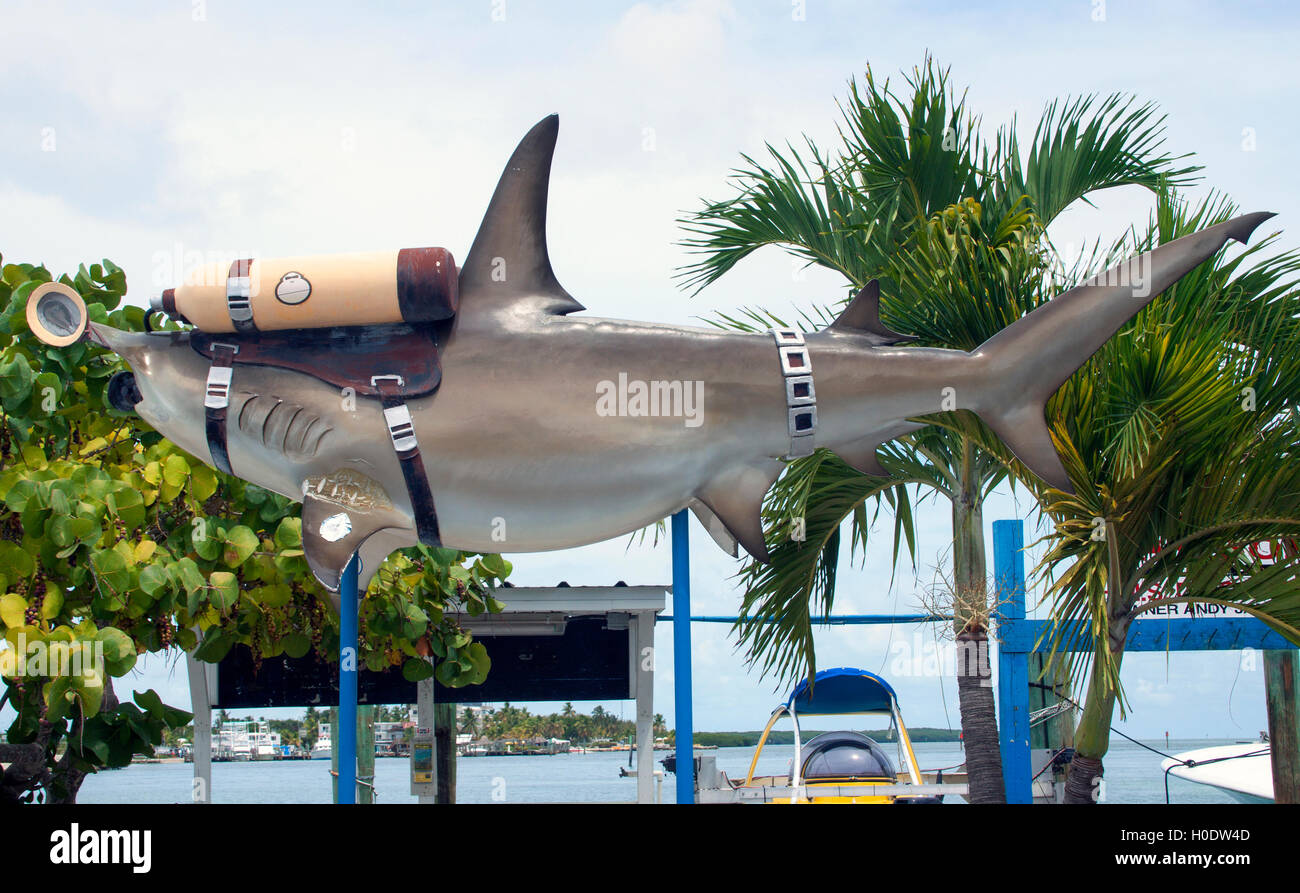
[(16, 381), (175, 471), (189, 575), (241, 542), (149, 702), (296, 645), (203, 482), (112, 571), (288, 534), (416, 669), (119, 651), (206, 540), (154, 579), (225, 590)]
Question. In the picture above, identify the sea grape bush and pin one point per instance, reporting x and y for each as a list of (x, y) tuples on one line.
[(115, 543)]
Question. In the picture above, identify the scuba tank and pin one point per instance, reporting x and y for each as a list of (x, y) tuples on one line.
[(412, 285)]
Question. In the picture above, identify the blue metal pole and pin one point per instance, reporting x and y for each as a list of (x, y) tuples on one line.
[(682, 659), (1013, 661), (345, 736)]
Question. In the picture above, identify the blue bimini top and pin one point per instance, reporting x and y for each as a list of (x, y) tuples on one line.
[(842, 690)]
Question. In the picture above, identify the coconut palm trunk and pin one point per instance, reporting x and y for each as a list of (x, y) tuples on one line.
[(971, 630)]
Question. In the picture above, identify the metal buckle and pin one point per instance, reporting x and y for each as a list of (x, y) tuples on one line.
[(218, 345), (795, 360), (800, 391), (239, 290), (400, 427), (802, 446), (375, 379), (802, 421), (787, 336), (217, 393)]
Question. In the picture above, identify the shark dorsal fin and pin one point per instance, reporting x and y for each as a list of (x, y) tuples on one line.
[(508, 263), (862, 317)]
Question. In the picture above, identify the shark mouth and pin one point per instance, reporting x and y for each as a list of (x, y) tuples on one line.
[(283, 427)]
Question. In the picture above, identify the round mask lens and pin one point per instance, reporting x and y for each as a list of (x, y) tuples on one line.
[(56, 314)]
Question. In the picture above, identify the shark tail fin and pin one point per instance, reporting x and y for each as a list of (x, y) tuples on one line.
[(1027, 361)]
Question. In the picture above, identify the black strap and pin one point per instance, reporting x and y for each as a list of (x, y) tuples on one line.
[(401, 429), (216, 403), (239, 301)]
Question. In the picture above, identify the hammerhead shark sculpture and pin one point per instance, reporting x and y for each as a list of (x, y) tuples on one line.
[(552, 430)]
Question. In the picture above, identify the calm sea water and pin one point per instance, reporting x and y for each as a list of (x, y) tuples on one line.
[(1133, 775)]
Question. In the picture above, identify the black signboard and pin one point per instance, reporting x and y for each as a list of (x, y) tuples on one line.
[(587, 663)]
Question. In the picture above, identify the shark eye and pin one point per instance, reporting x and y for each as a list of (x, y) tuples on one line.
[(123, 393)]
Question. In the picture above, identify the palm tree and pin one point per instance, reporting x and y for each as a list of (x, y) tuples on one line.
[(1180, 438), (954, 230), (468, 721)]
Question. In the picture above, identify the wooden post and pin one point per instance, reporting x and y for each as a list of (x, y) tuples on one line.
[(201, 746), (643, 638), (365, 753), (424, 717), (1282, 690), (444, 753)]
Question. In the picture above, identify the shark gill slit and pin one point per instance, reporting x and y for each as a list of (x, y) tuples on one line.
[(284, 427)]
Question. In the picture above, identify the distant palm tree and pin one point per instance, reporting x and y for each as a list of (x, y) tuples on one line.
[(468, 721), (954, 229)]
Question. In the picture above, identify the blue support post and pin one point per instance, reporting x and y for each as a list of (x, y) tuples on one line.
[(682, 659), (1013, 665), (345, 736)]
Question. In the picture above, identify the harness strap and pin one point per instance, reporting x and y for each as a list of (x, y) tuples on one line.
[(216, 402), (401, 429), (239, 291), (800, 393)]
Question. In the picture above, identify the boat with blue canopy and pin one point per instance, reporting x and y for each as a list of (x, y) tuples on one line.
[(841, 766)]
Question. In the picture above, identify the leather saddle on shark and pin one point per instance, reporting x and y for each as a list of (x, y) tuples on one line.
[(554, 429)]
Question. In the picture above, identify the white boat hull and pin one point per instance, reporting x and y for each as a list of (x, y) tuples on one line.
[(1243, 771)]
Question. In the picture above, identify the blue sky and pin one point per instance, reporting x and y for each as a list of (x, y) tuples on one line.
[(149, 132)]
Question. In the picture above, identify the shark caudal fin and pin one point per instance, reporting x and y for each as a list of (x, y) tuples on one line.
[(1027, 361)]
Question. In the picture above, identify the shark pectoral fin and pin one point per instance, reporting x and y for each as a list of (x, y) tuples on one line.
[(861, 454), (1025, 434), (736, 498), (342, 518), (713, 524)]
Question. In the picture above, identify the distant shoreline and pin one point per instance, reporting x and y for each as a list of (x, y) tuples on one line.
[(919, 735)]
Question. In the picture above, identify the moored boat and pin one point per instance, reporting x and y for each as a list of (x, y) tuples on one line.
[(1243, 771), (841, 766)]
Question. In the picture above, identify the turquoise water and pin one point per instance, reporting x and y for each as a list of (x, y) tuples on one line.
[(1133, 776)]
